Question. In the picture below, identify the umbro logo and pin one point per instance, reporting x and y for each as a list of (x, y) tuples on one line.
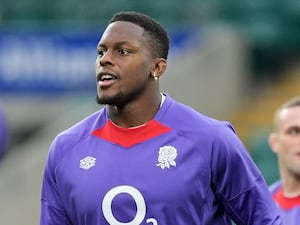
[(87, 162)]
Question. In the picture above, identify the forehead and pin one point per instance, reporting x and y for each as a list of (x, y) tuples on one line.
[(121, 31), (290, 116)]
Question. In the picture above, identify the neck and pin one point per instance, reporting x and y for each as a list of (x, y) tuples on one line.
[(135, 113), (290, 184)]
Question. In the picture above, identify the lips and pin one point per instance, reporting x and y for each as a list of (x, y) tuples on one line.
[(105, 76), (105, 80)]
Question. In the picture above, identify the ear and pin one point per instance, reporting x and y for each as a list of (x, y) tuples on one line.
[(160, 66), (273, 142)]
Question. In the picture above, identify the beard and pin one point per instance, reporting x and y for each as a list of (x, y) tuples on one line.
[(116, 100), (120, 99)]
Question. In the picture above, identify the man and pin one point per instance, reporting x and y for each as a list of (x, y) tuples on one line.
[(145, 158), (285, 142)]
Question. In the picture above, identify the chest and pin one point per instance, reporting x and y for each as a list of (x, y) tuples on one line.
[(160, 174)]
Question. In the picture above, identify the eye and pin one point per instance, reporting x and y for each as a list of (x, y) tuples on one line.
[(123, 51), (294, 131), (100, 52)]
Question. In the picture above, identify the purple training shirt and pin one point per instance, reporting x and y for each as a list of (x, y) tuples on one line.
[(181, 168)]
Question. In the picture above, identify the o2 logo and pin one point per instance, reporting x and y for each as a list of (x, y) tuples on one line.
[(139, 201)]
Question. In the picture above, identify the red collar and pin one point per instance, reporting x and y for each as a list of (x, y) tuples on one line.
[(285, 202), (127, 137)]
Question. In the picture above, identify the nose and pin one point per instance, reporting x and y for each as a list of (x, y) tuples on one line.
[(106, 58)]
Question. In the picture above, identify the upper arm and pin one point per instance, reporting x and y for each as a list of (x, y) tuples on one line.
[(238, 183), (52, 210)]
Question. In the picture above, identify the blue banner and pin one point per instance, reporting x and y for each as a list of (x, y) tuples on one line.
[(47, 61), (51, 61)]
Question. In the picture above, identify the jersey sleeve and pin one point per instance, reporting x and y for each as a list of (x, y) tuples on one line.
[(238, 183), (52, 211)]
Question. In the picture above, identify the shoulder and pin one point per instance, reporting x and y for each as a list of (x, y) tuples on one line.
[(85, 126), (77, 133), (217, 137), (273, 188), (186, 119)]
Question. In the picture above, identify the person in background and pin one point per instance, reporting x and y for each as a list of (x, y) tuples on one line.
[(3, 133), (285, 143), (145, 158)]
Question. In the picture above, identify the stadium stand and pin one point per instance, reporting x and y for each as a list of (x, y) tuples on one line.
[(270, 33)]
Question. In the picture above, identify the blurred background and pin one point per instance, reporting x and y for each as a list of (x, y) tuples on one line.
[(234, 60)]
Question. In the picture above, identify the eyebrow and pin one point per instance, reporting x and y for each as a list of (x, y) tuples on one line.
[(292, 127), (117, 44)]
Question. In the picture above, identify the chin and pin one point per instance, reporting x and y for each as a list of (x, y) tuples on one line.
[(103, 100), (110, 100)]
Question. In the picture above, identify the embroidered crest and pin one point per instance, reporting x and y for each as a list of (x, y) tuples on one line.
[(166, 157), (87, 162)]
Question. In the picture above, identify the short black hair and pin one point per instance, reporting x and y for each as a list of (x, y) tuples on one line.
[(158, 36)]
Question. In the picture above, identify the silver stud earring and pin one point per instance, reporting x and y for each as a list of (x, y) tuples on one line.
[(155, 77)]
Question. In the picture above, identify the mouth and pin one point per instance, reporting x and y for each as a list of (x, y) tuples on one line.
[(105, 77), (105, 80)]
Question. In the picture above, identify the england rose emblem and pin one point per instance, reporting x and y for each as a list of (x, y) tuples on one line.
[(167, 156)]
